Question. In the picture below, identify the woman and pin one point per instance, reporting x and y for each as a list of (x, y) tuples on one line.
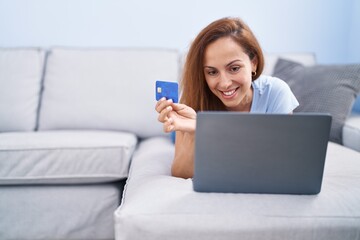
[(222, 72)]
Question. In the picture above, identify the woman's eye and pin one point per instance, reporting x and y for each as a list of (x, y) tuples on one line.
[(211, 73), (234, 68)]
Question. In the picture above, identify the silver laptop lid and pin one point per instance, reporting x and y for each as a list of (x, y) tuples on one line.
[(260, 153)]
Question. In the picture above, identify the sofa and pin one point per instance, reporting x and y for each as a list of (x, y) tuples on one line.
[(82, 156)]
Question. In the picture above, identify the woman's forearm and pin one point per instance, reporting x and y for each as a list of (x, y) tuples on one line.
[(183, 164)]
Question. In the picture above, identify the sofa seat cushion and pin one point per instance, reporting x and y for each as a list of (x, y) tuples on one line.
[(64, 157), (158, 206), (21, 71), (351, 131)]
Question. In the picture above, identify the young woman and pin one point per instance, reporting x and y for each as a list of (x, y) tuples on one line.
[(222, 72)]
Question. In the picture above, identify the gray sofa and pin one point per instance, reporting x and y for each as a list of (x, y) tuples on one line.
[(77, 124), (70, 120)]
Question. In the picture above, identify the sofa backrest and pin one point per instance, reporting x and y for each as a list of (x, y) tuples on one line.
[(98, 89), (307, 59), (105, 89), (21, 72)]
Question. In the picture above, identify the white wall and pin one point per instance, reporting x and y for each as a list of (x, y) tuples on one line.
[(320, 26), (354, 36)]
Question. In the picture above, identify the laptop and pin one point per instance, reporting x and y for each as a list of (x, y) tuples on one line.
[(260, 153)]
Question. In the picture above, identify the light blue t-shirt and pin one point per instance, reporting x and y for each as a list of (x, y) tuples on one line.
[(272, 95)]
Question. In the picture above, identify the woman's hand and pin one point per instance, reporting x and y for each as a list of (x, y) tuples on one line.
[(181, 118), (176, 116)]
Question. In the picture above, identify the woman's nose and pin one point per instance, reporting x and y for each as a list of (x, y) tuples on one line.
[(225, 81)]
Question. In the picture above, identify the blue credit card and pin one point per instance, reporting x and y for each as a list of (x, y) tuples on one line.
[(166, 89)]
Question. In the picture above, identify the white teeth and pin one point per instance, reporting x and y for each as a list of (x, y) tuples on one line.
[(229, 92)]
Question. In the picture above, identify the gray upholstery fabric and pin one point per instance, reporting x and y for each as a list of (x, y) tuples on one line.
[(59, 212), (307, 59), (107, 89), (320, 88), (21, 72), (161, 207), (351, 132), (71, 157)]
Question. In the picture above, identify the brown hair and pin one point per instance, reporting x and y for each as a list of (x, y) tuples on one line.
[(195, 92)]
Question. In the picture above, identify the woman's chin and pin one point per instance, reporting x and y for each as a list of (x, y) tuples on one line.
[(231, 106)]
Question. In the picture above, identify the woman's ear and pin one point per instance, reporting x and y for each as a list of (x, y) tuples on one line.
[(254, 63)]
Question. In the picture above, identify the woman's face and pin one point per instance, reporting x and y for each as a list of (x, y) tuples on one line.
[(227, 70)]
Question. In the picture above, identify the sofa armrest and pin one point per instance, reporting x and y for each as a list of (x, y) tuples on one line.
[(351, 131)]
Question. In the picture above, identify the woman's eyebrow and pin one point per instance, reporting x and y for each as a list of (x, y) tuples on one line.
[(236, 60)]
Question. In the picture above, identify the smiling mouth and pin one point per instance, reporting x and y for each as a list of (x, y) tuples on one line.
[(230, 93)]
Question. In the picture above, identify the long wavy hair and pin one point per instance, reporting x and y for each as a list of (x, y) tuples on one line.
[(194, 90)]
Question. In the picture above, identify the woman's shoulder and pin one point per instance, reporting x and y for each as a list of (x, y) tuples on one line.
[(268, 82), (275, 94)]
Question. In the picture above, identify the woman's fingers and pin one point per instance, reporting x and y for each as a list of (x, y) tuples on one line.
[(163, 115), (168, 125), (175, 116), (162, 103), (182, 123), (184, 111), (163, 107), (158, 105)]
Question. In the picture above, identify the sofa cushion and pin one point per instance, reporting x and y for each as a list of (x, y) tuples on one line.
[(65, 157), (61, 212), (351, 132), (20, 80), (323, 88), (307, 59), (158, 206), (108, 89)]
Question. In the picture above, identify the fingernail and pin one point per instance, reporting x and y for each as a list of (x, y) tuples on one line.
[(170, 100)]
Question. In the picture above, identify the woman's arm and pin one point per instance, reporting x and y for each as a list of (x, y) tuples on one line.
[(182, 119), (183, 164)]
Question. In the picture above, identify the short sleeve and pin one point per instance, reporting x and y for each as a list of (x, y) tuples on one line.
[(281, 99), (272, 95)]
